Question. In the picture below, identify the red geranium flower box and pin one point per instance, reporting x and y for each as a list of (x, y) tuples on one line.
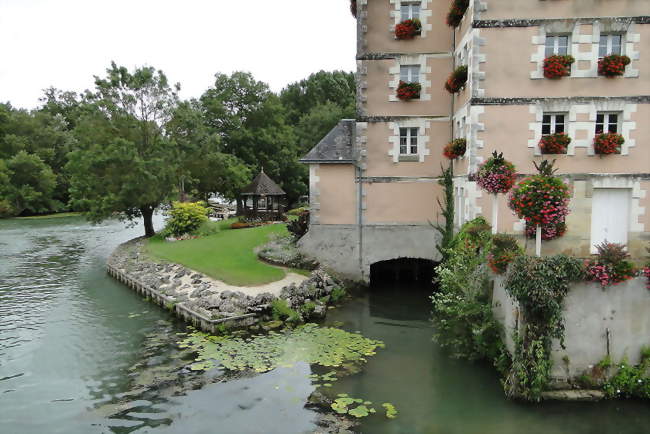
[(557, 66), (556, 143), (608, 143), (456, 148), (612, 66), (408, 91), (457, 80), (408, 29)]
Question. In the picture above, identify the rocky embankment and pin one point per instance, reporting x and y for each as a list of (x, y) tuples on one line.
[(216, 300)]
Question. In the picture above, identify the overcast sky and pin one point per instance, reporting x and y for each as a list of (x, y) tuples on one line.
[(64, 43)]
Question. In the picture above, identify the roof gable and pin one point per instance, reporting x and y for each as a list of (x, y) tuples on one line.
[(336, 146)]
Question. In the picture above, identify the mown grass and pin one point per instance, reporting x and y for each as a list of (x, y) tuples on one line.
[(226, 255)]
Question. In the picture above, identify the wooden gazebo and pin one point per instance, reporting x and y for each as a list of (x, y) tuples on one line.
[(262, 199)]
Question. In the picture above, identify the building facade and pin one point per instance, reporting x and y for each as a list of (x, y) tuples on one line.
[(374, 188)]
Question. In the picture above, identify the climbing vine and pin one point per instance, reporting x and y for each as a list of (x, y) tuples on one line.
[(539, 285)]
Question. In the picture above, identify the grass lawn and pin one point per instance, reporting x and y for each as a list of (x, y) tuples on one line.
[(227, 255)]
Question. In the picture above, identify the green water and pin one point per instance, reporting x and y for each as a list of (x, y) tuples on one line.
[(80, 353)]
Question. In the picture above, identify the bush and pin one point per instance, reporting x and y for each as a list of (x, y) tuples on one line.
[(300, 226), (504, 249), (185, 218), (610, 266), (282, 312), (6, 210)]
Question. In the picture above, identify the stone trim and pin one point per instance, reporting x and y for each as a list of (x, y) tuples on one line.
[(487, 24), (627, 124), (361, 144), (423, 138), (389, 56), (376, 119), (314, 194), (578, 40), (391, 179), (473, 127), (425, 14), (362, 88), (638, 99), (473, 41), (413, 59)]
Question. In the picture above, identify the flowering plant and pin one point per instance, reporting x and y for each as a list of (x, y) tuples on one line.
[(457, 80), (611, 66), (407, 29), (610, 266), (608, 143), (646, 273), (408, 91), (504, 250), (555, 143), (550, 231), (541, 199), (496, 175), (456, 148), (557, 66), (456, 12)]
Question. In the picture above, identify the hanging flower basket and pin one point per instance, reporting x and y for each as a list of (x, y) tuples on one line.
[(456, 12), (612, 66), (557, 66), (456, 148), (541, 199), (608, 143), (549, 231), (556, 143), (408, 91), (408, 29), (496, 175), (353, 8), (457, 80)]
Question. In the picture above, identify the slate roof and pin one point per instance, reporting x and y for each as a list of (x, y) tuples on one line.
[(263, 185), (336, 146)]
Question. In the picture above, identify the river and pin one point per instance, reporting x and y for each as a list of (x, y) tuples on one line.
[(81, 353)]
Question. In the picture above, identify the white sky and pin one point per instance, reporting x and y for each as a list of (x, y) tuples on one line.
[(64, 43)]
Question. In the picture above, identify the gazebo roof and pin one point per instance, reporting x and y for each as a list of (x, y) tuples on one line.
[(262, 185)]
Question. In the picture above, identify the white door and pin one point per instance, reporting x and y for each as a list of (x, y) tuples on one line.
[(610, 216)]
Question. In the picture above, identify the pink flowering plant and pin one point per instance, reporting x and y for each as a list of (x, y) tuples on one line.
[(610, 267), (496, 175), (542, 199), (550, 231)]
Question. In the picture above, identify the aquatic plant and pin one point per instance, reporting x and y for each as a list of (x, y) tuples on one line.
[(391, 411), (356, 407), (309, 343)]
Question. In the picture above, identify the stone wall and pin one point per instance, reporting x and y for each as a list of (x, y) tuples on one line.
[(600, 322)]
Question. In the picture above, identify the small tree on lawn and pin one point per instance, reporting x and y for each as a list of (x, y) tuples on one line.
[(542, 200), (496, 175)]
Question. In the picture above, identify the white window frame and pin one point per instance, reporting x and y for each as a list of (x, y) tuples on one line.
[(609, 43), (607, 122), (556, 45), (411, 8), (410, 73), (553, 123), (409, 134)]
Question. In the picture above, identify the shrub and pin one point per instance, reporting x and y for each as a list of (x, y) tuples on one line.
[(408, 29), (610, 266), (612, 66), (6, 210), (282, 312), (185, 218), (408, 91), (457, 80), (496, 175), (504, 250), (456, 12), (557, 66), (337, 294), (297, 211), (556, 143), (608, 143), (456, 148), (300, 226), (630, 381)]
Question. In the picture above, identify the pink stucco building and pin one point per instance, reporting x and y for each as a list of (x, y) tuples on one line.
[(374, 181)]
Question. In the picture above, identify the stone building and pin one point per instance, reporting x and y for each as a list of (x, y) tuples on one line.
[(374, 181)]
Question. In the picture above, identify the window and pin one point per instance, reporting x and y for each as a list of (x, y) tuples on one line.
[(606, 123), (553, 123), (609, 44), (408, 141), (409, 73), (557, 45), (410, 11)]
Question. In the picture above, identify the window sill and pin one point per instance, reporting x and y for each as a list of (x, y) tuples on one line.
[(409, 159)]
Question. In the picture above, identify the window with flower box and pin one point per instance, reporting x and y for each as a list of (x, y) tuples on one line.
[(408, 141), (610, 44), (557, 45), (553, 123), (607, 122), (410, 11), (409, 73)]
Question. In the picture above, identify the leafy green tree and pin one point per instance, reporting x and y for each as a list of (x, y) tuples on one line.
[(6, 210), (30, 185), (124, 164), (316, 123)]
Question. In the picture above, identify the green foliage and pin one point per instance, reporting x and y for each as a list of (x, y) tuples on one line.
[(308, 308), (504, 250), (337, 294), (391, 411), (29, 184), (356, 407), (629, 381), (282, 312), (539, 285), (185, 218), (300, 226), (462, 315), (447, 231), (328, 347)]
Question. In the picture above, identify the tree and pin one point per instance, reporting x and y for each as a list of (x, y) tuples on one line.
[(319, 121), (124, 164), (30, 185)]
